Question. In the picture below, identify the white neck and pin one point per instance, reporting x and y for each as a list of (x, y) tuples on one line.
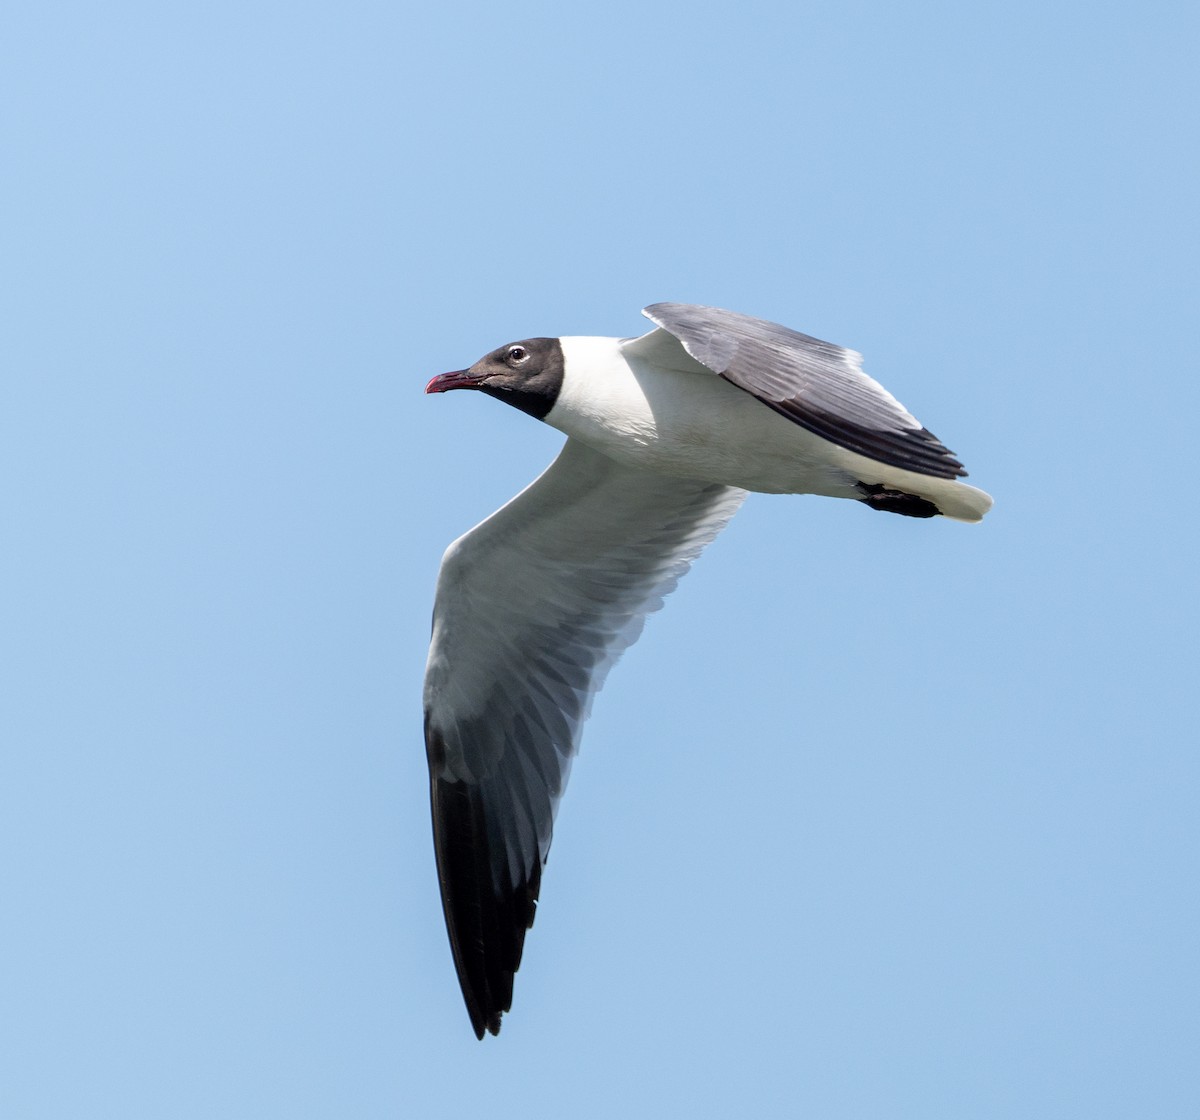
[(601, 401)]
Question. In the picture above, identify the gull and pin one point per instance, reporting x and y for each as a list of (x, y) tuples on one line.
[(666, 433)]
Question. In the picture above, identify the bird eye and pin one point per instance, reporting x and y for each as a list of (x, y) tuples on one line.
[(517, 355)]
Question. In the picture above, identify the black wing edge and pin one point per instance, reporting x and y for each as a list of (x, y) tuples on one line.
[(913, 449), (716, 343), (486, 927)]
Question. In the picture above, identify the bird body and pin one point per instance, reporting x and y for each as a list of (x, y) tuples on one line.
[(666, 434), (680, 419)]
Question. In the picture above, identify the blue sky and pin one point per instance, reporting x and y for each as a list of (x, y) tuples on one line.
[(881, 818)]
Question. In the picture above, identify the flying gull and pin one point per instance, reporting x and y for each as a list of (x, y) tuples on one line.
[(665, 435)]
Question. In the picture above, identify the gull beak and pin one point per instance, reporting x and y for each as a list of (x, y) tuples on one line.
[(458, 379)]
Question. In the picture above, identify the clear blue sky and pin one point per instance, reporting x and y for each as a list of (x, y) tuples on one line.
[(882, 818)]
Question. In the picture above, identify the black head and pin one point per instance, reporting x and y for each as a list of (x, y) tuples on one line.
[(528, 375)]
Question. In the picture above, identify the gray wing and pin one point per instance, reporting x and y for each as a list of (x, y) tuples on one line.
[(533, 607), (817, 385)]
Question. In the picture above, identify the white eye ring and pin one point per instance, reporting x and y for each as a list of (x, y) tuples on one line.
[(517, 355)]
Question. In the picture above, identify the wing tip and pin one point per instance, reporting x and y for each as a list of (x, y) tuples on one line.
[(485, 924), (913, 448), (484, 1024)]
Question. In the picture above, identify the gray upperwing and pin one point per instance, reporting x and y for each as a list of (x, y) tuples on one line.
[(815, 384)]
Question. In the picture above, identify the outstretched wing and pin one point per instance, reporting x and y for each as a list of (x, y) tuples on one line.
[(817, 385), (533, 607)]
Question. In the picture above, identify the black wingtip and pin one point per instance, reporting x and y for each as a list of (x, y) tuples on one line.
[(486, 923), (911, 449)]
